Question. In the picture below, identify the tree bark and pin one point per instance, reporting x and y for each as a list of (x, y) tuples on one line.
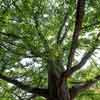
[(56, 91)]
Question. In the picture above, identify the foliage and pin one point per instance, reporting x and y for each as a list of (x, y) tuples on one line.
[(21, 24)]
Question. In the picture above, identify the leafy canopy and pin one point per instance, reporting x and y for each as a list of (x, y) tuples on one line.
[(28, 36)]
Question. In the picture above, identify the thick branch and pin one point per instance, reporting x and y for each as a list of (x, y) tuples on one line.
[(81, 87), (28, 88), (86, 56), (78, 26)]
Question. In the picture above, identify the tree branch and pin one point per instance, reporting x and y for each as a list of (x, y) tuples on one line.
[(63, 28), (64, 34), (78, 26), (81, 87), (42, 37), (86, 56), (28, 88), (34, 52), (60, 30)]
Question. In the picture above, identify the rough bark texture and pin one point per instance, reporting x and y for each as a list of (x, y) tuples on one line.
[(56, 91)]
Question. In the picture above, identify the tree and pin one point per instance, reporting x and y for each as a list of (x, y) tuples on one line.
[(48, 33)]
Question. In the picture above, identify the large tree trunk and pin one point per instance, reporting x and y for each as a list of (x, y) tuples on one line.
[(57, 91)]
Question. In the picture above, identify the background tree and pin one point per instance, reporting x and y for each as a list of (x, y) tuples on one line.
[(44, 46)]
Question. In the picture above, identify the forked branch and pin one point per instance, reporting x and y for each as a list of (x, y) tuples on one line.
[(86, 56), (78, 25)]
